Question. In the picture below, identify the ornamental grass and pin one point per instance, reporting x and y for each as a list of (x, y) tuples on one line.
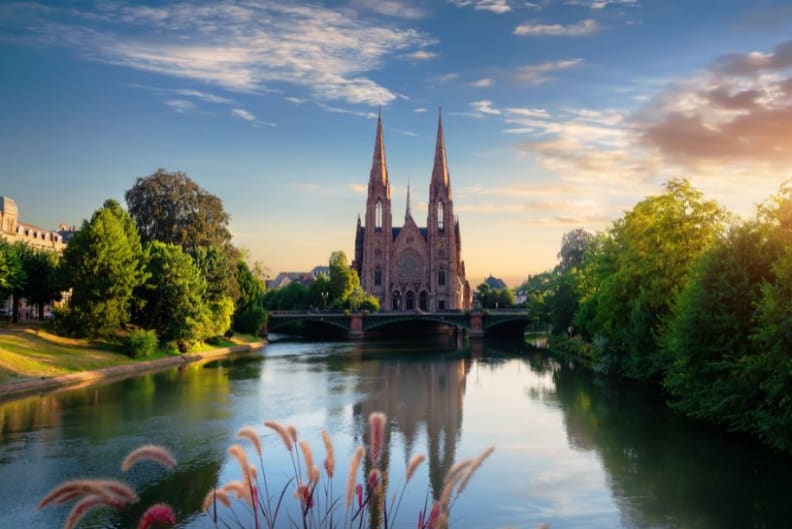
[(307, 500)]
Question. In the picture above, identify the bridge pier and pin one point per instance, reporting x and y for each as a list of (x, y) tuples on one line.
[(355, 327), (476, 326)]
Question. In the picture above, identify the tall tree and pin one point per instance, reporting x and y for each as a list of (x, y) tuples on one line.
[(342, 279), (573, 247), (171, 208), (102, 264), (43, 284), (249, 315), (12, 273), (640, 269)]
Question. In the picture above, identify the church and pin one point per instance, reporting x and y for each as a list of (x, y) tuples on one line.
[(411, 267)]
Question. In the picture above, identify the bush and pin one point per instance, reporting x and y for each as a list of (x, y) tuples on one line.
[(140, 343)]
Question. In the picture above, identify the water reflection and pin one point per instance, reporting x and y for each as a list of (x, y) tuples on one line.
[(572, 449)]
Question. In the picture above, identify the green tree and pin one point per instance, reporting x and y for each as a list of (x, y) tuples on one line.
[(641, 268), (102, 264), (218, 271), (12, 272), (43, 285), (249, 315), (573, 248), (173, 295), (709, 338), (342, 279), (171, 208)]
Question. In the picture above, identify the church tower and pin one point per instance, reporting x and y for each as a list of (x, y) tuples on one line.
[(443, 232), (376, 244)]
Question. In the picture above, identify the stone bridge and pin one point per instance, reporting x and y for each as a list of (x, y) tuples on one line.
[(357, 324)]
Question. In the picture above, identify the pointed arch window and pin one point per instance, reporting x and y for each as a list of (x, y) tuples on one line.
[(441, 277), (378, 215), (440, 216), (378, 276)]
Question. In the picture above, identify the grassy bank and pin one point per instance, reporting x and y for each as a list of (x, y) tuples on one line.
[(35, 353)]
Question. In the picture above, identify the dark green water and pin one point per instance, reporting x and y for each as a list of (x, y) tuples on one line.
[(572, 450)]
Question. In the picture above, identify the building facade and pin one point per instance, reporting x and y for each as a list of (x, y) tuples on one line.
[(13, 230), (411, 267)]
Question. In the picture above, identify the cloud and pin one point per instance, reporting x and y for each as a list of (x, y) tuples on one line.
[(580, 29), (181, 105), (391, 8), (404, 132), (420, 110), (243, 114), (420, 55), (601, 4), (494, 6), (238, 46), (536, 74), (485, 107), (738, 111), (482, 83), (295, 100), (444, 78), (358, 188)]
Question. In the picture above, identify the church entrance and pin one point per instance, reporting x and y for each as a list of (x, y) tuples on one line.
[(396, 300), (409, 302), (423, 301)]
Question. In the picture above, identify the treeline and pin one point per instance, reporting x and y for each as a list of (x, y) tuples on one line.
[(680, 293), (339, 290), (167, 266)]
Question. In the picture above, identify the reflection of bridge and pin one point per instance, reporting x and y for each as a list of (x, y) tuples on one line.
[(357, 324)]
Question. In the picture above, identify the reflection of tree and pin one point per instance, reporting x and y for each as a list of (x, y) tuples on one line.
[(415, 393), (665, 471)]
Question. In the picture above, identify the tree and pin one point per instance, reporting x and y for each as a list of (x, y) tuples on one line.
[(171, 208), (249, 315), (573, 247), (102, 264), (641, 266), (217, 269), (43, 283), (12, 273), (342, 279), (172, 295)]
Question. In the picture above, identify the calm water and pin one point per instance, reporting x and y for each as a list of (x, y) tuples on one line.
[(572, 450)]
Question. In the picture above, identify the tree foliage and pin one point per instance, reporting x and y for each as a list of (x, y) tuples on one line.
[(171, 208), (249, 315), (43, 283), (103, 264)]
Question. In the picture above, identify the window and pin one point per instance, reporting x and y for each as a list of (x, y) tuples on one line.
[(441, 304), (378, 215), (378, 277), (440, 216), (441, 279)]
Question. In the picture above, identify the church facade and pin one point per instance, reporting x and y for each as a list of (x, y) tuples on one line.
[(411, 267)]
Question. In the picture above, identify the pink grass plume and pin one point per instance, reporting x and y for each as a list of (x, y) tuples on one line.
[(247, 432), (354, 464), (359, 491), (154, 453), (329, 463), (377, 432), (83, 507), (414, 463), (283, 432), (161, 513)]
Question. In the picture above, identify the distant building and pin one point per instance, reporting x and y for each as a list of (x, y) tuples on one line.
[(13, 230), (495, 283), (411, 267), (304, 278)]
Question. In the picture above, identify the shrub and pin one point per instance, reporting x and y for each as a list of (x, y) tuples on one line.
[(140, 343)]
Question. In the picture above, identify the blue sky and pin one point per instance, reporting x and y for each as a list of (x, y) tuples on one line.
[(557, 113)]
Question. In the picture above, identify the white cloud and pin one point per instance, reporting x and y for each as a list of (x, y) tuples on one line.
[(419, 110), (536, 74), (392, 8), (602, 4), (485, 107), (239, 46), (495, 6), (358, 188), (243, 114), (580, 29), (444, 78), (482, 83), (404, 132), (420, 55), (181, 105)]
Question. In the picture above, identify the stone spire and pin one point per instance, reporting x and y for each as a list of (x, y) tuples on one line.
[(440, 169), (408, 213), (379, 169)]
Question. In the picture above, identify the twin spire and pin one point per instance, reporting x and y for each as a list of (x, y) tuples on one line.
[(379, 168)]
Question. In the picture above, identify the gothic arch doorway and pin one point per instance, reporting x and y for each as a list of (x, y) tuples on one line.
[(409, 301), (423, 301), (396, 300)]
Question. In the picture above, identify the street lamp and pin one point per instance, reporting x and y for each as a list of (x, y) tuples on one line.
[(324, 299)]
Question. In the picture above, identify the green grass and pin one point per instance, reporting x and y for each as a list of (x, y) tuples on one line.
[(33, 352)]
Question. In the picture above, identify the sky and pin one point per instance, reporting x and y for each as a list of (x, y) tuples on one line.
[(557, 114)]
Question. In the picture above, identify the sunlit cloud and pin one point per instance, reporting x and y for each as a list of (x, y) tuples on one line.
[(181, 105), (495, 6), (391, 8), (238, 46), (420, 55), (579, 29), (602, 4), (536, 74), (358, 188), (482, 83), (243, 114), (485, 107)]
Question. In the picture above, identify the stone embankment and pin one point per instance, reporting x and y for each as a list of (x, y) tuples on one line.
[(83, 378)]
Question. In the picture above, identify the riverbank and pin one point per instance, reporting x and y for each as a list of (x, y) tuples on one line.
[(52, 362)]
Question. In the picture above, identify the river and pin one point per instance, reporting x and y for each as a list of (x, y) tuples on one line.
[(571, 449)]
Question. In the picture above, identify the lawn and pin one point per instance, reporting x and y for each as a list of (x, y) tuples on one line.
[(26, 353)]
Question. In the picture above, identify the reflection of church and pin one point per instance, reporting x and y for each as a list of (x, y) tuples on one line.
[(411, 268), (418, 395)]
